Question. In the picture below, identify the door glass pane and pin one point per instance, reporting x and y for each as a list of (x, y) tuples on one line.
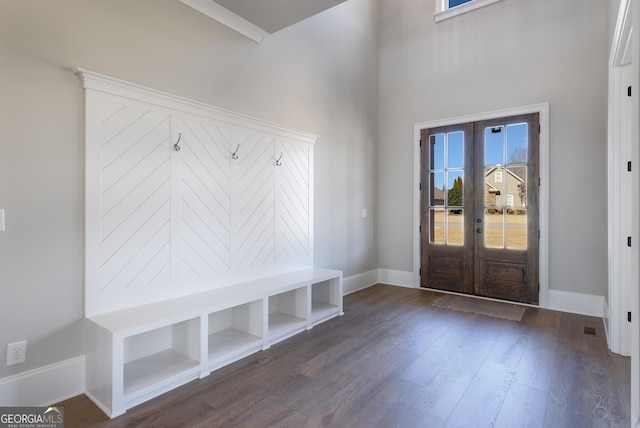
[(517, 229), (517, 186), (517, 135), (494, 228), (437, 151), (455, 186), (494, 145), (446, 182), (494, 185), (437, 189), (436, 229), (455, 227), (455, 150)]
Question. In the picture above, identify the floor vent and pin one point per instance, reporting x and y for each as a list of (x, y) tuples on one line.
[(590, 330)]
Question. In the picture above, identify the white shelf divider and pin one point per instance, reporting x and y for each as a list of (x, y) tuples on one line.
[(136, 354)]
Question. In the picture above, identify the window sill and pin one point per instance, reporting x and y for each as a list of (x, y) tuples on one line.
[(441, 15)]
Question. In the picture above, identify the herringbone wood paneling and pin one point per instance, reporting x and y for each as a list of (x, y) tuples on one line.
[(135, 197), (205, 224), (293, 203), (162, 222), (254, 227)]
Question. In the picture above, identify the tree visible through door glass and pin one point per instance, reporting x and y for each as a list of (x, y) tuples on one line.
[(446, 188)]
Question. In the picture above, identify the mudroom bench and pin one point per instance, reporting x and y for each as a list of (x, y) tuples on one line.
[(138, 353)]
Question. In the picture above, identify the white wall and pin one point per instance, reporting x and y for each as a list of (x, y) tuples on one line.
[(510, 54), (319, 75)]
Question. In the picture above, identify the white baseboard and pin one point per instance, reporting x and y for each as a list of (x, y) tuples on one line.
[(576, 303), (564, 301), (45, 385), (353, 283), (398, 277)]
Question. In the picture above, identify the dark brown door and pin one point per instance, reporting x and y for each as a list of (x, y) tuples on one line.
[(479, 229), (447, 208)]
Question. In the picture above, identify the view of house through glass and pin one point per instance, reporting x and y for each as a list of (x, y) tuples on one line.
[(505, 194), (505, 205)]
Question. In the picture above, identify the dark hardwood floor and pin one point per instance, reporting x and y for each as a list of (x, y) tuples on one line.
[(394, 360)]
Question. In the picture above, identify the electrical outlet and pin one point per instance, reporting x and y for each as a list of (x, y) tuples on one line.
[(16, 353)]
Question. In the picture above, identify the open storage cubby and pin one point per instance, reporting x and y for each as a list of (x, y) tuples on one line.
[(287, 313), (138, 353), (234, 332), (326, 299), (159, 356)]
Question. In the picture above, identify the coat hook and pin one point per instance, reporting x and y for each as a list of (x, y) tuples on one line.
[(279, 160), (176, 146), (235, 154)]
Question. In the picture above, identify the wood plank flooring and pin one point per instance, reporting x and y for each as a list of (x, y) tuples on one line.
[(394, 360)]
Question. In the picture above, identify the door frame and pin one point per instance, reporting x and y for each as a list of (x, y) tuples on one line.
[(543, 111)]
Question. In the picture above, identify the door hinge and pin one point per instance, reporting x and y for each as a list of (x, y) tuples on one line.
[(629, 91), (420, 184), (538, 286), (628, 241), (629, 166), (538, 233), (420, 228), (539, 182), (539, 129), (629, 316), (420, 271), (420, 142)]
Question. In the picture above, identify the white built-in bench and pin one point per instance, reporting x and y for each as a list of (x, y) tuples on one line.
[(138, 353)]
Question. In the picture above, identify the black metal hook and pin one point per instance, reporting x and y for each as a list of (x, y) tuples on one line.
[(176, 146)]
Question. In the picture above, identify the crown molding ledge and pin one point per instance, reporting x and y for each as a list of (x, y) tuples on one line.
[(226, 17)]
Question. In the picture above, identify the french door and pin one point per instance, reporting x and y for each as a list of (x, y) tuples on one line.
[(479, 208)]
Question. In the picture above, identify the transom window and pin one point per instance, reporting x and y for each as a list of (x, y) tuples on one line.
[(454, 3), (449, 8)]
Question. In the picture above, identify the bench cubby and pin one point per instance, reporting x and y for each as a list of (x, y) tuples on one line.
[(287, 314), (234, 332), (163, 353), (138, 353), (326, 299)]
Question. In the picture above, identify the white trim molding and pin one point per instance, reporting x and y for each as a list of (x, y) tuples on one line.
[(543, 111), (224, 16), (398, 278), (563, 301), (112, 85), (576, 303), (444, 12), (360, 281), (45, 385)]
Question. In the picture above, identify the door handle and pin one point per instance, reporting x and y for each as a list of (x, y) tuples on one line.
[(479, 230)]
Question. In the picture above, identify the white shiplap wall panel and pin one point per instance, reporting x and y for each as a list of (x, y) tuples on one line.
[(163, 223), (205, 226), (293, 202), (135, 197), (254, 208)]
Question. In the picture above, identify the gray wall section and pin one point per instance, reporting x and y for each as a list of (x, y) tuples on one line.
[(319, 75), (510, 54)]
